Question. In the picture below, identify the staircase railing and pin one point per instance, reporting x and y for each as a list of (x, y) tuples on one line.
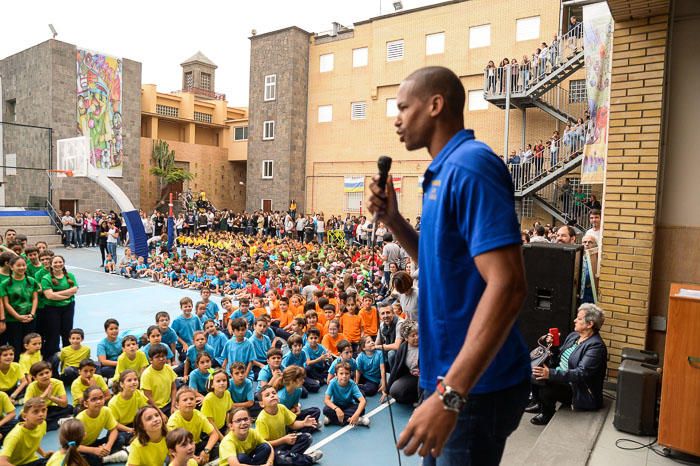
[(570, 205), (562, 102), (526, 168), (525, 76), (54, 216)]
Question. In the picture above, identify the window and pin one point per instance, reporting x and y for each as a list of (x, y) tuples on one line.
[(477, 101), (202, 117), (353, 202), (526, 208), (391, 109), (267, 169), (166, 110), (240, 133), (325, 113), (189, 80), (394, 50), (11, 110), (326, 63), (577, 90), (479, 36), (527, 28), (205, 81), (268, 130), (360, 57), (358, 111), (270, 87), (435, 43)]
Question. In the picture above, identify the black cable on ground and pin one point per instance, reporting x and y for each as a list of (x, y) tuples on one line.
[(665, 453)]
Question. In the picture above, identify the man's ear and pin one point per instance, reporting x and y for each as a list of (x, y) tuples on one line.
[(437, 103)]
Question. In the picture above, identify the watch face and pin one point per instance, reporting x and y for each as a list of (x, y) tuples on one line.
[(452, 400)]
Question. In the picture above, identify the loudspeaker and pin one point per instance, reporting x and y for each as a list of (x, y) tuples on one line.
[(637, 395), (634, 354), (553, 273)]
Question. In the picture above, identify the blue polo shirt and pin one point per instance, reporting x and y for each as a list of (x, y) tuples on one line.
[(468, 210)]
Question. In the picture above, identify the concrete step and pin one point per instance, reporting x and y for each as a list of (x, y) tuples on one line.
[(49, 239), (34, 230), (23, 220)]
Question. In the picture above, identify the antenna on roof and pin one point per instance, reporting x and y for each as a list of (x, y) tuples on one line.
[(53, 31)]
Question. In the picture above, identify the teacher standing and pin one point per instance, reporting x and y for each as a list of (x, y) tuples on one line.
[(474, 365), (59, 288)]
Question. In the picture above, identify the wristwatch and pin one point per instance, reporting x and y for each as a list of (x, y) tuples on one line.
[(206, 450), (451, 400)]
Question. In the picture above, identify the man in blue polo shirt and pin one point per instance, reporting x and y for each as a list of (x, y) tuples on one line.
[(474, 366)]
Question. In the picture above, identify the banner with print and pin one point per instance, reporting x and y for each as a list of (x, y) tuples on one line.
[(354, 184), (597, 40)]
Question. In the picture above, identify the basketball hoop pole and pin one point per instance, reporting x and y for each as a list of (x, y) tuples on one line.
[(170, 206)]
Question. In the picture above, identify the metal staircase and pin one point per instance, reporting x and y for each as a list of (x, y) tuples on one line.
[(537, 174)]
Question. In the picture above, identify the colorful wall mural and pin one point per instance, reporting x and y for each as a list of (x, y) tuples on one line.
[(99, 109)]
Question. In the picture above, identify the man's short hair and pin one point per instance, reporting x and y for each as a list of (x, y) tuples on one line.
[(539, 230), (432, 80), (594, 212)]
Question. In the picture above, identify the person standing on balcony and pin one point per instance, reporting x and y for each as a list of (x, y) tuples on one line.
[(554, 51), (536, 64), (514, 73), (525, 72), (539, 157), (526, 163), (502, 77), (544, 54), (554, 150), (490, 72)]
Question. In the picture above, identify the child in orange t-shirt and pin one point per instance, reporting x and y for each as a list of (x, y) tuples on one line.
[(258, 308), (295, 306), (370, 317), (312, 321), (351, 323), (331, 339), (329, 315)]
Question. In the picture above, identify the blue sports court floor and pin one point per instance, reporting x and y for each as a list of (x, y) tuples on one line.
[(134, 304)]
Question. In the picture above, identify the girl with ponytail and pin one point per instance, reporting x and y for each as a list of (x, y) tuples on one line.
[(70, 435), (59, 288), (20, 300)]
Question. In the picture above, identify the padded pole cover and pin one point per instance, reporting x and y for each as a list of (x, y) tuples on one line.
[(137, 234)]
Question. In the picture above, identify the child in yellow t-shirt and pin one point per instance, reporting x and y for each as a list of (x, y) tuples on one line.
[(244, 443), (96, 417), (195, 422), (131, 358), (24, 441), (70, 356), (51, 391), (7, 414), (181, 448), (218, 401), (12, 381), (70, 435), (87, 378), (127, 400), (31, 355), (148, 448), (158, 380)]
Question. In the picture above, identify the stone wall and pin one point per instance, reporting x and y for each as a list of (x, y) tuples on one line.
[(286, 54), (43, 81)]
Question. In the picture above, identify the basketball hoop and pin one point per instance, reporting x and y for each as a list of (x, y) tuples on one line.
[(56, 177)]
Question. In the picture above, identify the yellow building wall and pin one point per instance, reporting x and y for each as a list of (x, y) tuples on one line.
[(346, 147)]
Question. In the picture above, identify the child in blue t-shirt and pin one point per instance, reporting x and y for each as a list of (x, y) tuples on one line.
[(168, 335), (217, 340), (199, 377), (243, 312), (297, 357), (345, 355), (156, 338), (370, 375), (212, 309), (317, 357), (272, 372), (199, 346), (261, 345), (185, 325), (241, 389), (291, 393), (238, 349), (109, 349), (344, 403)]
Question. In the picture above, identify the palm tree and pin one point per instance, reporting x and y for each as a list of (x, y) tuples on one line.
[(166, 171)]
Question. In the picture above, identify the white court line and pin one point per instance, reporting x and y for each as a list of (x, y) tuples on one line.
[(82, 295), (348, 427)]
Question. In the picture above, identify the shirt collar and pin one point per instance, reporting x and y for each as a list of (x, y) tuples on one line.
[(456, 140)]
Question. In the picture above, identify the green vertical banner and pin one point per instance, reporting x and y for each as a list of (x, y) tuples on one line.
[(598, 29)]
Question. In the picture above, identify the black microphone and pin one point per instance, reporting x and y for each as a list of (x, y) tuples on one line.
[(383, 165)]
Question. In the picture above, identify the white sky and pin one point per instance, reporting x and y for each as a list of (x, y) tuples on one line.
[(162, 34)]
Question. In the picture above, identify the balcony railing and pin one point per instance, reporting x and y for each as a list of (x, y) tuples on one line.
[(205, 93), (563, 102), (530, 166), (526, 75), (571, 203)]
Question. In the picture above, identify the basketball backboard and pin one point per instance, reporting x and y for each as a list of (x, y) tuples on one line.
[(73, 154)]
